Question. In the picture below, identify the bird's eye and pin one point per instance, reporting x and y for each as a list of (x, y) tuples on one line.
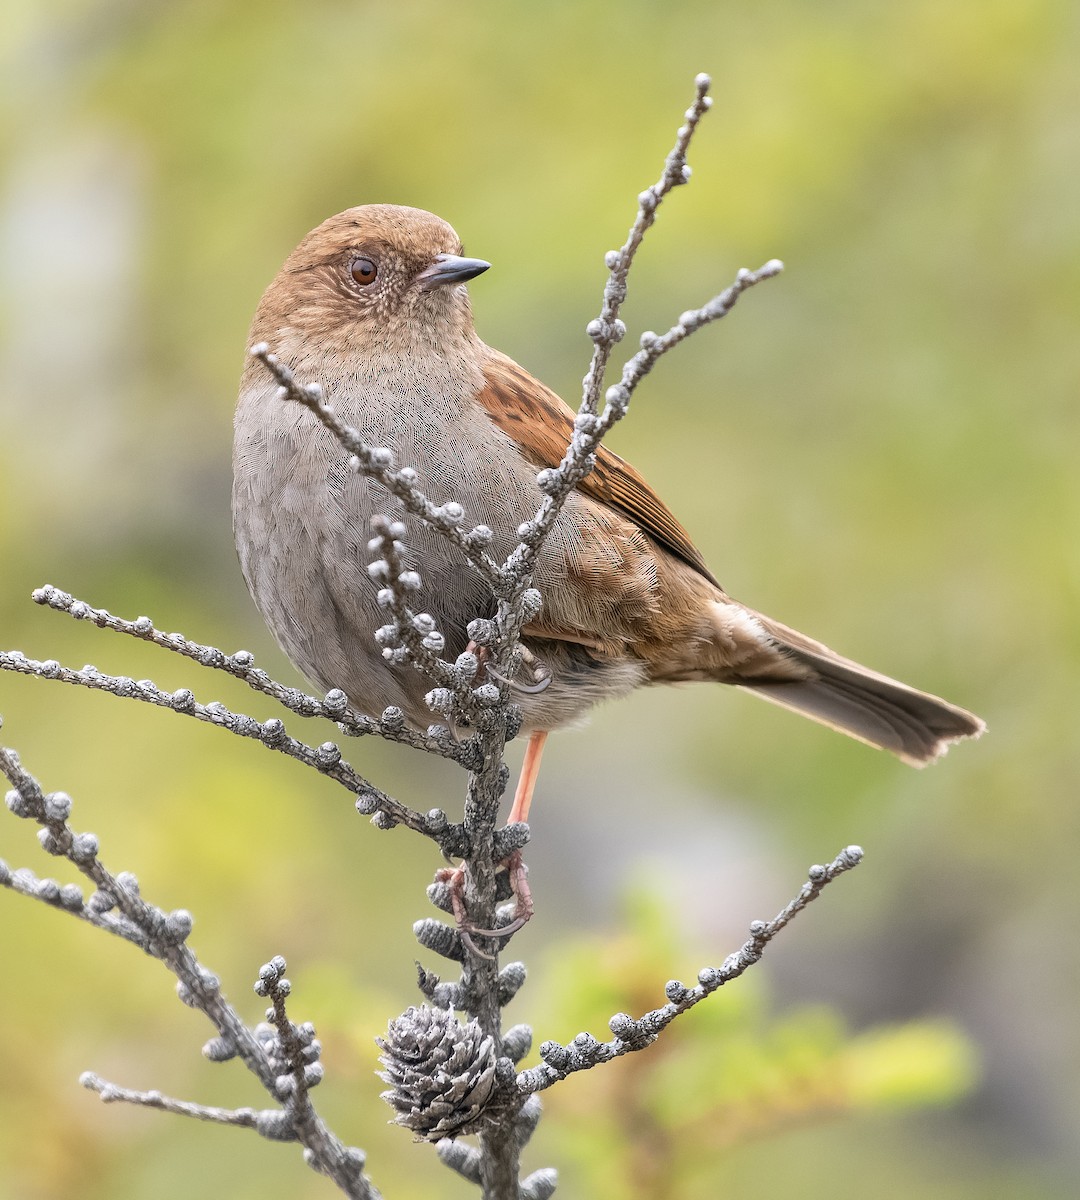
[(363, 271)]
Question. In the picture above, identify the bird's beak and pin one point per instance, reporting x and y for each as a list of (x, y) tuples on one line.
[(452, 268)]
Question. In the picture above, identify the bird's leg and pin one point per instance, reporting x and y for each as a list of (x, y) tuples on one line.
[(518, 874), (530, 769), (454, 878), (528, 689), (515, 863), (519, 885)]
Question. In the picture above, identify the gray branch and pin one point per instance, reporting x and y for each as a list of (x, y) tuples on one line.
[(607, 330), (111, 1093), (412, 637), (586, 1051), (326, 758), (241, 665), (164, 937)]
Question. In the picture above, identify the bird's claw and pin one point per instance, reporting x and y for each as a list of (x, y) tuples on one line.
[(483, 654), (454, 877)]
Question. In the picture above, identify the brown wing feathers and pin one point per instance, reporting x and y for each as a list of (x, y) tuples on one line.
[(535, 417)]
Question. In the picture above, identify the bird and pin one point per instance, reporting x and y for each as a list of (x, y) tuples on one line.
[(372, 306)]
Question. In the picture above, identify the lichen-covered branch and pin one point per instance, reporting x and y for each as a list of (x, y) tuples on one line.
[(241, 665), (586, 1051), (326, 758), (286, 1064)]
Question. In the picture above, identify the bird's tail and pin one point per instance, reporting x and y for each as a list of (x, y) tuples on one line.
[(880, 711)]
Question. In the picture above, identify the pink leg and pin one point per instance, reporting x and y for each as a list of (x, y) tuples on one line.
[(519, 873), (530, 769)]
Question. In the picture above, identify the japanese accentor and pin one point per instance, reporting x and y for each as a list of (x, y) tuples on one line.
[(372, 306)]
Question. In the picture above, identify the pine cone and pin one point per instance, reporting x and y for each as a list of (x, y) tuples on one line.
[(441, 1073)]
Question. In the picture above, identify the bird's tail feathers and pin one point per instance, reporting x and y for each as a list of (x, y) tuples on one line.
[(864, 704)]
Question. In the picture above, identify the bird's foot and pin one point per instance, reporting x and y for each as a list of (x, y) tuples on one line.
[(541, 675), (518, 874)]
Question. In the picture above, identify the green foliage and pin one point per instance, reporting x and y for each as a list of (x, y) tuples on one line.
[(918, 1065)]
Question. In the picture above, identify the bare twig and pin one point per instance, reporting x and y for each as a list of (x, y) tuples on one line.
[(110, 1093), (241, 665), (412, 637), (586, 1051), (607, 330), (294, 1053), (326, 758), (164, 937), (69, 898), (653, 347)]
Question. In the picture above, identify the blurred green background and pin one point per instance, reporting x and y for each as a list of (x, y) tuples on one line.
[(879, 447)]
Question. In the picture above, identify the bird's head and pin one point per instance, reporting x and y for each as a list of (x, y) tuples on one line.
[(377, 276)]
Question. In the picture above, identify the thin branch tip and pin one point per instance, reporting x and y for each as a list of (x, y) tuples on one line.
[(630, 1034)]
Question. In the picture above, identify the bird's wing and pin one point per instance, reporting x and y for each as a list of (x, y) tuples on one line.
[(542, 424)]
